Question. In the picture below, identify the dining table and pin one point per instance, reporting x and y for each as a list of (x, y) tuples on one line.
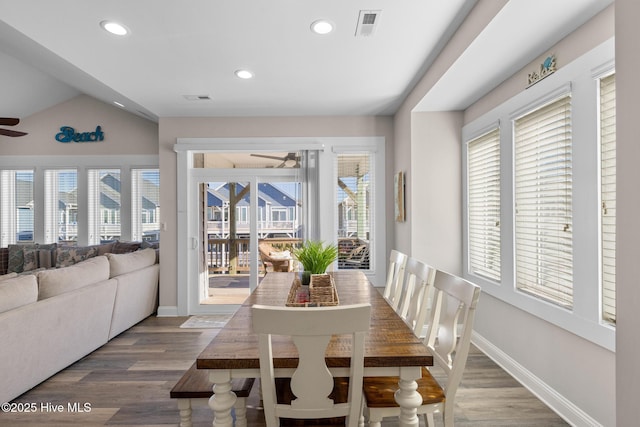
[(391, 347)]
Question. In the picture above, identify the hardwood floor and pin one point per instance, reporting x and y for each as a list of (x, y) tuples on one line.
[(127, 383)]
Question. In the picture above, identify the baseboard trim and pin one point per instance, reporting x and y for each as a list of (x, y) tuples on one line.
[(557, 402), (167, 311)]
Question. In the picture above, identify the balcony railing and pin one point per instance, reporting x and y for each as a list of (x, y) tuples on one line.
[(232, 256)]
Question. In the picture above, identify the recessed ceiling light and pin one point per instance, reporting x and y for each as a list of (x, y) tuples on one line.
[(119, 104), (321, 26), (114, 28), (244, 74)]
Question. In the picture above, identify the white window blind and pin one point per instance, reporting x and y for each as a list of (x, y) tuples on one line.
[(104, 205), (483, 200), (60, 205), (16, 206), (543, 198), (145, 204), (608, 195)]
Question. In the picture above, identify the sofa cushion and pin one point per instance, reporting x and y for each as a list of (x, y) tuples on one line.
[(8, 276), (17, 292), (61, 280), (126, 263), (70, 255)]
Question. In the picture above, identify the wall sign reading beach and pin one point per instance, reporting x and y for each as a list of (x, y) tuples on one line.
[(69, 134)]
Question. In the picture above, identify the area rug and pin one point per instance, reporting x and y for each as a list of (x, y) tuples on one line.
[(208, 321)]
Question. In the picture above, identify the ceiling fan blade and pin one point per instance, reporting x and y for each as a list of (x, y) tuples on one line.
[(268, 157), (9, 121), (8, 132)]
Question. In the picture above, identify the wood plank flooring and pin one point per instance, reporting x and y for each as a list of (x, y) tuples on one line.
[(127, 383)]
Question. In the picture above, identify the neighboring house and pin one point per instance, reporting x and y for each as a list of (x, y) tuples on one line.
[(278, 212), (108, 216)]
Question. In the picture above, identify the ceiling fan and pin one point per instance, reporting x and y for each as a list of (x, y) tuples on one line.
[(291, 160), (10, 121)]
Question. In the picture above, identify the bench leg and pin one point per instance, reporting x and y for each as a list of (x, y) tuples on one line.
[(241, 412), (184, 405)]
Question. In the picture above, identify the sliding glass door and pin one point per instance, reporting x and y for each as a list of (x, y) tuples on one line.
[(245, 223)]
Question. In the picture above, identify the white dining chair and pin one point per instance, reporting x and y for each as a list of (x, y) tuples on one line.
[(311, 329), (395, 277), (417, 294), (454, 307)]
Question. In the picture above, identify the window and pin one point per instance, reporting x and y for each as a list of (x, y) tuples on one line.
[(16, 206), (608, 196), (543, 202), (354, 210), (104, 205), (61, 205), (145, 200), (279, 214), (483, 198)]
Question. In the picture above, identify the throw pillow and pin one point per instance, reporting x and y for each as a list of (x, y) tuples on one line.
[(70, 255), (16, 257), (47, 255), (125, 247), (30, 257), (4, 260)]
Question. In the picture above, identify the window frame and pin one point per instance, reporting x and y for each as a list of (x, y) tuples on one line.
[(82, 164), (577, 77), (607, 316)]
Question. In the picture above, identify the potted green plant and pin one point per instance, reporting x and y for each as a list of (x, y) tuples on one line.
[(315, 257)]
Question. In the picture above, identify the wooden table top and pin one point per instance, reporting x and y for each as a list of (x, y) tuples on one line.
[(390, 342)]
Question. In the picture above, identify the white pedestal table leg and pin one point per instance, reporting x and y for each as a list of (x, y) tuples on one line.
[(223, 399), (407, 396)]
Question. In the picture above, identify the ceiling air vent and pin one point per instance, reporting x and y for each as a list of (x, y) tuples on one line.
[(367, 22), (197, 97)]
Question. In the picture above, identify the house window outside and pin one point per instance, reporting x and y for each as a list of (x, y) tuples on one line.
[(16, 206), (483, 210), (279, 214), (543, 202), (61, 205), (608, 196), (104, 205), (145, 200)]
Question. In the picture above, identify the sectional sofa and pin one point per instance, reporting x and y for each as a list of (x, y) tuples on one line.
[(52, 317)]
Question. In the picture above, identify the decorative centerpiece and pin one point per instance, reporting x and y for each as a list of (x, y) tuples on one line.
[(315, 257)]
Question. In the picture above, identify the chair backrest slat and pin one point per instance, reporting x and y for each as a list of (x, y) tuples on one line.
[(311, 329), (416, 298), (450, 326), (395, 278)]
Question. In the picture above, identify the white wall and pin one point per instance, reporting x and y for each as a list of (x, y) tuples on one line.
[(172, 128), (124, 133), (436, 197), (481, 14), (628, 198), (574, 375)]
